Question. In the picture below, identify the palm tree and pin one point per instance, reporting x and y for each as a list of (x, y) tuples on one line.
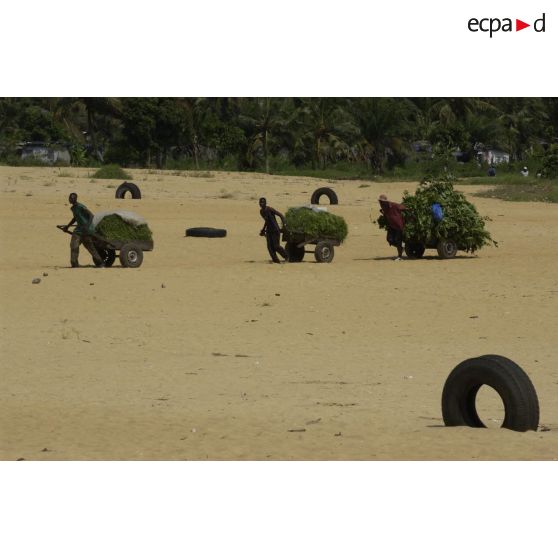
[(523, 121), (325, 124), (384, 125), (77, 113), (99, 106), (262, 119), (450, 110)]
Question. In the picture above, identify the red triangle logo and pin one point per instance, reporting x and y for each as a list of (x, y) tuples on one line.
[(519, 25)]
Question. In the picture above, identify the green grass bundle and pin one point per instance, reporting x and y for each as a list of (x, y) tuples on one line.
[(461, 221), (113, 227), (316, 224)]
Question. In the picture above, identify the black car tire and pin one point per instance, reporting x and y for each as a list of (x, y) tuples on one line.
[(206, 232), (328, 192), (126, 187), (503, 375)]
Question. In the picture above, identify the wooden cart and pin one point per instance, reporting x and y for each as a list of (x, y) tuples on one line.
[(129, 252), (446, 248), (296, 247)]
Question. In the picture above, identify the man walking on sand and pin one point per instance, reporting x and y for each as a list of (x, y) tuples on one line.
[(393, 212), (82, 233), (272, 231)]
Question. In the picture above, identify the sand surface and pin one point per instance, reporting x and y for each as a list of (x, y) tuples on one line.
[(207, 351)]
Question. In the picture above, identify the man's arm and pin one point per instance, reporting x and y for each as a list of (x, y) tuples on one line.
[(262, 232), (72, 222), (279, 214)]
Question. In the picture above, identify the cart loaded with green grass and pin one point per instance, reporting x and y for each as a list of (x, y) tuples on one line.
[(121, 233), (313, 225), (441, 218)]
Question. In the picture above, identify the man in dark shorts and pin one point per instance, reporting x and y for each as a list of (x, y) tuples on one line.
[(272, 231), (82, 233), (393, 212)]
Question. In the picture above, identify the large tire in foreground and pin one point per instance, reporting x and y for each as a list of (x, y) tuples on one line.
[(414, 250), (126, 187), (447, 249), (206, 232), (328, 192), (131, 255), (295, 253), (503, 375), (324, 252)]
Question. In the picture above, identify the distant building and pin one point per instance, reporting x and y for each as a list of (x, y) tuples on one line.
[(493, 156), (50, 154), (422, 146), (462, 156)]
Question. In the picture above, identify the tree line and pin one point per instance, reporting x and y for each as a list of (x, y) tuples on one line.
[(270, 134)]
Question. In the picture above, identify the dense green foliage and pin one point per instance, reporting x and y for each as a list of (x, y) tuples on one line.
[(365, 137), (112, 171), (461, 221), (316, 224), (550, 163), (113, 227)]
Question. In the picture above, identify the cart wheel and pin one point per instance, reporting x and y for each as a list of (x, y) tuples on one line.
[(295, 253), (131, 255), (108, 256), (324, 252), (414, 250), (446, 249)]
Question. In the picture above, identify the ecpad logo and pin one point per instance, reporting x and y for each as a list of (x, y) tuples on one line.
[(493, 25)]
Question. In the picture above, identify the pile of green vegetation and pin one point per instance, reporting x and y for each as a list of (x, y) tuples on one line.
[(461, 221), (112, 171), (113, 227), (316, 224)]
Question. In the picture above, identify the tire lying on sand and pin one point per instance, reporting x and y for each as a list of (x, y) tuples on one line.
[(126, 187), (503, 375), (328, 192), (206, 232)]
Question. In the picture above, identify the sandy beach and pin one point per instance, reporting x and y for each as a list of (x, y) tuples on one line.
[(207, 351)]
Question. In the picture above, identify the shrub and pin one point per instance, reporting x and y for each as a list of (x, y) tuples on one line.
[(112, 171)]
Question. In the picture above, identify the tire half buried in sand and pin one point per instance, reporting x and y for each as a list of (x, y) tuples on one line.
[(503, 375)]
